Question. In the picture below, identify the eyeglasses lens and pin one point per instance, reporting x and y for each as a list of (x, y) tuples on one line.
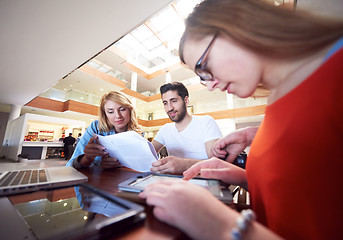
[(204, 74), (200, 67)]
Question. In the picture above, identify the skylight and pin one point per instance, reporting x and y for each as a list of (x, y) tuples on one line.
[(156, 41)]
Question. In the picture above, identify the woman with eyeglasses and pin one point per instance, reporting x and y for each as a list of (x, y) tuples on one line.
[(295, 160), (116, 115)]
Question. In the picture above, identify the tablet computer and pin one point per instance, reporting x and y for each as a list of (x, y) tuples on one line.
[(78, 212), (138, 183)]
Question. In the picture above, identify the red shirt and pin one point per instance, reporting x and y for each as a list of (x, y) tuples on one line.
[(295, 165)]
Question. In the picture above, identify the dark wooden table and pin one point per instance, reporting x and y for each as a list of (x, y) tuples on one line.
[(151, 228)]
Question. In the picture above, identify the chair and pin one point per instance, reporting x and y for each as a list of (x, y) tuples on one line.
[(243, 199)]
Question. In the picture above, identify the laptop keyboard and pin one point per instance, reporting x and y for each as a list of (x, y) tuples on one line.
[(22, 177)]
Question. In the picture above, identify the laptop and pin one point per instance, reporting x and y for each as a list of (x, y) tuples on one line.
[(29, 180)]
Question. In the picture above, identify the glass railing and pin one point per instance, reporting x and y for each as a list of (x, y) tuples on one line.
[(72, 94)]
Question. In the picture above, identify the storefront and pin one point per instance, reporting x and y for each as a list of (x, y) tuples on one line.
[(33, 136)]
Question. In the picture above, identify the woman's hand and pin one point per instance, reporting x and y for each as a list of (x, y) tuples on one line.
[(218, 169), (92, 150), (109, 162), (191, 208), (230, 146), (195, 211)]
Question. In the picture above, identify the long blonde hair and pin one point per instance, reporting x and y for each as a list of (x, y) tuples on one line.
[(104, 123), (262, 27)]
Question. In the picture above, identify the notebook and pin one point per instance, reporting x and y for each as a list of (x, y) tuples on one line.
[(28, 180)]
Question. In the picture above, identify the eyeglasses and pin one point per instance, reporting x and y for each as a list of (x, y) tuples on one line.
[(200, 68)]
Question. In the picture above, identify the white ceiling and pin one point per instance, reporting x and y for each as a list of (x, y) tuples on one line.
[(44, 40)]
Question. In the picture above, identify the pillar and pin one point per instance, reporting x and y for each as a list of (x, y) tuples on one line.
[(230, 124), (134, 77), (168, 77), (229, 100), (14, 113)]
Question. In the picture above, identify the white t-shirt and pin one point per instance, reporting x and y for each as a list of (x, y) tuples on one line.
[(189, 143)]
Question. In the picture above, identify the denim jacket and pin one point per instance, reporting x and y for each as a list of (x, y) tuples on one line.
[(80, 147)]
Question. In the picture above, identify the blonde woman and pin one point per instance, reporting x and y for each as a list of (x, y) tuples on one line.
[(116, 115)]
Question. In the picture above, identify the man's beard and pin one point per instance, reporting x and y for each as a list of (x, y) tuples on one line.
[(181, 116)]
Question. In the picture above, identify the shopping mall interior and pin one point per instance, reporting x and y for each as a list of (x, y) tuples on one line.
[(59, 58)]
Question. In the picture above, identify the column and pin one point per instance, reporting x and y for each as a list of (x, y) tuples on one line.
[(134, 78), (14, 113), (229, 100), (168, 77), (230, 123)]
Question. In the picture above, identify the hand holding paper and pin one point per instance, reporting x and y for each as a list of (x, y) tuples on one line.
[(131, 149)]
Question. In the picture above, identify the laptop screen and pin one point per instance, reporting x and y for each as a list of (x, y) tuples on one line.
[(70, 211)]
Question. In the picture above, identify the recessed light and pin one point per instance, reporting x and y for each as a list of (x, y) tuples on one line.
[(101, 89)]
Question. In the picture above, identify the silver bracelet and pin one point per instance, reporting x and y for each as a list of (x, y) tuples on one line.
[(247, 216)]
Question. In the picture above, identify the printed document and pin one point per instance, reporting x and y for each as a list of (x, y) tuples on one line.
[(131, 149)]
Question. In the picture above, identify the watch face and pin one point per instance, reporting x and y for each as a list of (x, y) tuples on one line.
[(240, 160)]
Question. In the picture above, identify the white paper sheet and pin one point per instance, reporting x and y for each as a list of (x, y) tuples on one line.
[(131, 149)]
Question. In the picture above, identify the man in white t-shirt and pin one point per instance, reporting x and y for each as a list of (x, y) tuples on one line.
[(188, 139)]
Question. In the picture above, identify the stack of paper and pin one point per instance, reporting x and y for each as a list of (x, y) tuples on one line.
[(131, 149)]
